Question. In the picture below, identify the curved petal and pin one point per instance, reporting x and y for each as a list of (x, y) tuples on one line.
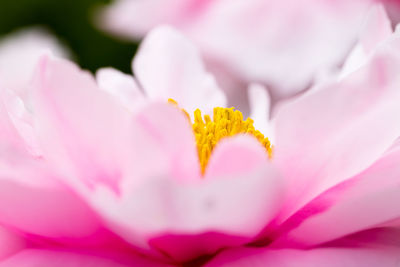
[(203, 217), (31, 198), (236, 155), (122, 86), (273, 42), (21, 121), (81, 129), (327, 136), (171, 213), (383, 236), (364, 202), (19, 53), (11, 144), (167, 66), (377, 29), (32, 201), (9, 243), (260, 107), (321, 257), (142, 16), (163, 142), (37, 257), (393, 8)]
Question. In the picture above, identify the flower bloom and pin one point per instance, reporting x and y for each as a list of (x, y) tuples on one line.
[(119, 177), (273, 42)]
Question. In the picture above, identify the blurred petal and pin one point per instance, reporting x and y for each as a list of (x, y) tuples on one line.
[(364, 202), (234, 155), (9, 243), (80, 127), (201, 218), (122, 86), (377, 29), (332, 134), (142, 16), (321, 257), (21, 120), (19, 53), (36, 257), (32, 201), (384, 236), (163, 143), (274, 42), (174, 209), (260, 106), (31, 198), (169, 66)]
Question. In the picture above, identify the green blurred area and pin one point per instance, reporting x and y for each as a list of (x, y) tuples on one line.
[(73, 22)]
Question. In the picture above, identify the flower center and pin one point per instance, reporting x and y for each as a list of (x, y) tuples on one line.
[(225, 122)]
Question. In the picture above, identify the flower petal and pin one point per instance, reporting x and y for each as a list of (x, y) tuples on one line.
[(37, 257), (364, 202), (9, 243), (32, 201), (206, 216), (321, 257), (19, 53), (377, 29), (273, 42), (122, 86), (260, 106), (74, 119), (236, 155), (171, 212), (327, 136), (142, 16), (169, 66)]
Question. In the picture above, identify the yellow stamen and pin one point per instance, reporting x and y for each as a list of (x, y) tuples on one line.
[(226, 122)]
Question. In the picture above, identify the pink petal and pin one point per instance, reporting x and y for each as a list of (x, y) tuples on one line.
[(364, 202), (204, 217), (384, 236), (142, 15), (377, 28), (235, 155), (31, 198), (19, 53), (32, 201), (175, 212), (80, 127), (321, 257), (21, 120), (36, 257), (163, 143), (122, 86), (11, 144), (274, 42), (334, 133), (260, 106), (9, 243), (169, 66), (393, 8)]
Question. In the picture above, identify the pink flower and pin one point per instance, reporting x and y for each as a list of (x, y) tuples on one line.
[(116, 179), (285, 45)]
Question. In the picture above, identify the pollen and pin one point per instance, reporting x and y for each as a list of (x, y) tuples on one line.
[(225, 122)]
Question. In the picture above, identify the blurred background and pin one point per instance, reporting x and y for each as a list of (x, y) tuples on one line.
[(72, 21)]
